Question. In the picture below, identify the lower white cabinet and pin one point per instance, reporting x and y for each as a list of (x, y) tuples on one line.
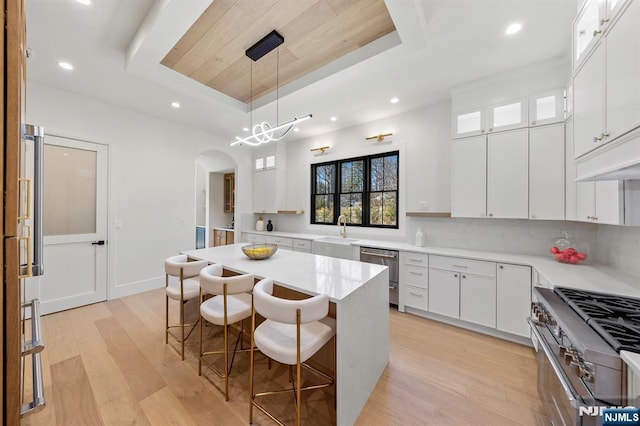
[(513, 298), (253, 238), (444, 292), (478, 299), (414, 281), (301, 245), (282, 242)]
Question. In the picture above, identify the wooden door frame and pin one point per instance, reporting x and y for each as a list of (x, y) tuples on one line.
[(14, 64)]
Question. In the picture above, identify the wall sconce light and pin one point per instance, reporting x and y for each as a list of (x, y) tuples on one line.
[(379, 137), (322, 149)]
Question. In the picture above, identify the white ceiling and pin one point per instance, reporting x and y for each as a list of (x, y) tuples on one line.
[(116, 47)]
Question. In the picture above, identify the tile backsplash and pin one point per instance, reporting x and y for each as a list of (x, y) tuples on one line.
[(619, 247), (501, 235)]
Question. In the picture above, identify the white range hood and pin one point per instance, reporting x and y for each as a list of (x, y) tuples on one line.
[(617, 160)]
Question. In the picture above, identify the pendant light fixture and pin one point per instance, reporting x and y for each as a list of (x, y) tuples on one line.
[(263, 132)]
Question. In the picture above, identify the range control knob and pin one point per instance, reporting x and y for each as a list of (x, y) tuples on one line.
[(569, 355)]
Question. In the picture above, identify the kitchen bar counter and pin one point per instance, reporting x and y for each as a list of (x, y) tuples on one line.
[(361, 295)]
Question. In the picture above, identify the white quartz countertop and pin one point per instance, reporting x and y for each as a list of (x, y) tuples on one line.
[(308, 273), (591, 277)]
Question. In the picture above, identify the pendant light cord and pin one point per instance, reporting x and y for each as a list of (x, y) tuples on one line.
[(277, 86), (251, 96)]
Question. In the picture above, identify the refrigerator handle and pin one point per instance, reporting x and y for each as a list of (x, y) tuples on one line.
[(36, 134)]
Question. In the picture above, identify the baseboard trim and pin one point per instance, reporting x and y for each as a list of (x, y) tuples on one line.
[(129, 289)]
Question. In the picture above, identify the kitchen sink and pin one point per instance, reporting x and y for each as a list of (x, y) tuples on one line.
[(334, 247), (336, 240)]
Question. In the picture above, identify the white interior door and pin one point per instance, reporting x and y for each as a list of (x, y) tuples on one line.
[(74, 224)]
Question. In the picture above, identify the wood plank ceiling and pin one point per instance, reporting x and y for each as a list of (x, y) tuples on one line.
[(316, 32)]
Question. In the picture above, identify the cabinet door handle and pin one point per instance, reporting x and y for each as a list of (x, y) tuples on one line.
[(595, 217), (460, 266), (597, 138), (455, 275), (501, 267), (415, 260), (604, 21), (533, 123), (464, 276), (491, 129), (415, 294), (606, 135), (596, 32), (490, 214)]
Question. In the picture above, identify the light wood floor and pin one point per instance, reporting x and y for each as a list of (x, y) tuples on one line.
[(107, 364)]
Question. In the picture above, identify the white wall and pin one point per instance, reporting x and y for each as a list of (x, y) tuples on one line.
[(512, 85), (152, 179), (422, 136)]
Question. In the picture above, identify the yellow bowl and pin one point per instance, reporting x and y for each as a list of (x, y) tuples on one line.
[(259, 251)]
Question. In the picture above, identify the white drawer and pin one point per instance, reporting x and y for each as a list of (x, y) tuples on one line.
[(417, 276), (416, 297), (280, 241), (301, 245), (418, 259), (477, 267), (255, 238)]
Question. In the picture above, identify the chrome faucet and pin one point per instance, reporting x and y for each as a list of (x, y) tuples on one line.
[(343, 231)]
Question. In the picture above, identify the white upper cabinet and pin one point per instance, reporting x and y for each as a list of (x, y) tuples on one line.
[(508, 174), (606, 86), (622, 79), (507, 115), (546, 172), (586, 29), (469, 177), (588, 104), (600, 202), (546, 108), (469, 122)]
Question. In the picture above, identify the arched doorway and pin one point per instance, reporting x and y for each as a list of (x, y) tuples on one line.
[(215, 196)]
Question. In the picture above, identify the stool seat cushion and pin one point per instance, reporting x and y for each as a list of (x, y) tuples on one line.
[(278, 341), (238, 308), (191, 288)]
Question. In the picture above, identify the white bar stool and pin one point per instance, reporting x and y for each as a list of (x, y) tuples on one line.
[(181, 284), (231, 303), (293, 331)]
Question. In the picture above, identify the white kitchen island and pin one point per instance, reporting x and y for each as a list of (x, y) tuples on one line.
[(360, 292)]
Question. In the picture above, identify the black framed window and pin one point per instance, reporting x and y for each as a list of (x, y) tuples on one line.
[(365, 189)]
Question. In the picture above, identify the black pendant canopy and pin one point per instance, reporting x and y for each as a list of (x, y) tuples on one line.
[(265, 45)]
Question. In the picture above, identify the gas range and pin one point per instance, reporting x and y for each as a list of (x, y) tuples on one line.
[(615, 318), (579, 335)]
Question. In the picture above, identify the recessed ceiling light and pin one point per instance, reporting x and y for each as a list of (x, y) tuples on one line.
[(87, 2), (245, 129), (513, 28), (296, 129), (333, 118), (394, 100), (65, 65), (175, 104)]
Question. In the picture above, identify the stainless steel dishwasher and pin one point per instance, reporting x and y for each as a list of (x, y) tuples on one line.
[(387, 258)]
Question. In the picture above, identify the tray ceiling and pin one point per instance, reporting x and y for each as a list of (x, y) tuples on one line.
[(316, 32)]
